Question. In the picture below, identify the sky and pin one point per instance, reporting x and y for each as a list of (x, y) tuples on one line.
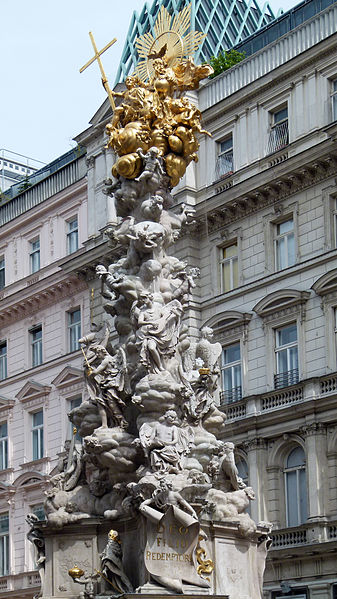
[(44, 100)]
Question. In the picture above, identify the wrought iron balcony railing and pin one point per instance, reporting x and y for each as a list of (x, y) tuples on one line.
[(278, 137), (231, 395), (285, 379), (224, 165)]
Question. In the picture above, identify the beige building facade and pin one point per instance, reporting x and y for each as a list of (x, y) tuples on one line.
[(265, 240)]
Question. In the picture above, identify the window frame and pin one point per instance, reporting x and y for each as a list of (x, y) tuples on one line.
[(230, 260), (70, 233), (4, 548), (3, 360), (221, 153), (71, 327), (278, 129), (270, 222), (237, 395), (286, 471), (4, 444), (35, 343), (281, 348), (333, 99), (2, 272), (39, 428), (33, 253), (278, 237)]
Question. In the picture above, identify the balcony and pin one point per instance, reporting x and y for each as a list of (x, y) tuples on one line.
[(231, 395), (278, 137), (289, 537), (308, 390), (224, 165), (306, 534), (285, 379)]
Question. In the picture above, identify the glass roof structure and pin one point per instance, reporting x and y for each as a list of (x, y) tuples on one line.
[(225, 22)]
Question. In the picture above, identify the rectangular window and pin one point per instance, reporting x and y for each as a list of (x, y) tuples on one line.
[(3, 360), (36, 345), (286, 355), (74, 328), (74, 403), (72, 235), (37, 435), (285, 245), (4, 544), (2, 272), (334, 99), (279, 130), (35, 255), (229, 267), (231, 373), (3, 446), (225, 165)]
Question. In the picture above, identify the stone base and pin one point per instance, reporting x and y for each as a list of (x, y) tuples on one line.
[(154, 589), (237, 560)]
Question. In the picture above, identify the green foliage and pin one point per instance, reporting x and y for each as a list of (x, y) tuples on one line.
[(25, 184), (225, 60)]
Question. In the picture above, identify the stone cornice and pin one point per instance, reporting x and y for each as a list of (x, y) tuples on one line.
[(40, 299), (281, 184)]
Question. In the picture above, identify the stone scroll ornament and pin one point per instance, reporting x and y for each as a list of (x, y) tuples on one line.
[(150, 422)]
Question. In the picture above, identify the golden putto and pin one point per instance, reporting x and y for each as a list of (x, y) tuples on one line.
[(153, 111)]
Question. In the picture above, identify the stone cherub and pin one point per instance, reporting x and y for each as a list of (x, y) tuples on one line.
[(153, 164), (162, 498), (89, 583)]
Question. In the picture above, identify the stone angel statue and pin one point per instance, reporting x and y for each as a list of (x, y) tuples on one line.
[(166, 443), (107, 374), (208, 351)]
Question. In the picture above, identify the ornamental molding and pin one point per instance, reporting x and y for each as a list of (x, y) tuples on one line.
[(227, 320), (253, 444), (326, 285), (282, 303), (33, 391), (28, 306), (68, 377), (265, 195), (6, 405), (315, 428)]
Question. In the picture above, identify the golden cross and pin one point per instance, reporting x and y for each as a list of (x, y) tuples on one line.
[(98, 58)]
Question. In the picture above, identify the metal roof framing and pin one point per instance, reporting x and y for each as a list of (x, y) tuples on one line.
[(226, 23)]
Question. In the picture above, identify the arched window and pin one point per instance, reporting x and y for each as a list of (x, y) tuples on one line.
[(242, 467), (296, 487)]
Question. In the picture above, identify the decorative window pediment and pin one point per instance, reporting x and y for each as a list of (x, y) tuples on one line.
[(283, 302), (326, 284), (33, 390), (6, 403), (29, 479), (68, 376), (229, 324)]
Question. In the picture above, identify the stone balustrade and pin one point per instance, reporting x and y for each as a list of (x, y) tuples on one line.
[(304, 391)]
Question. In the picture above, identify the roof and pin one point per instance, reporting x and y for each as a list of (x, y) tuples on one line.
[(283, 24)]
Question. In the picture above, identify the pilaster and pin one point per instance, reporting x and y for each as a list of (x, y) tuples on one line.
[(317, 468)]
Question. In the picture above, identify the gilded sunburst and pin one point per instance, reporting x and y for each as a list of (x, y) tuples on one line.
[(170, 40)]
